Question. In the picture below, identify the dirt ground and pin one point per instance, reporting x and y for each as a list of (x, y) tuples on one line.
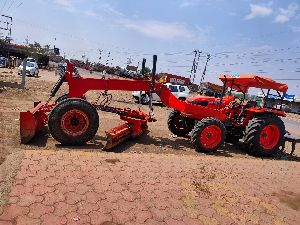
[(158, 140), (293, 116)]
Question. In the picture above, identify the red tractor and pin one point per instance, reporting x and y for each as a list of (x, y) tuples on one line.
[(72, 120), (260, 127)]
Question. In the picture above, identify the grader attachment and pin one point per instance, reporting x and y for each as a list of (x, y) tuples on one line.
[(33, 120)]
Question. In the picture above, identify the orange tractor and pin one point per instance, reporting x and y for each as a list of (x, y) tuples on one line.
[(72, 120)]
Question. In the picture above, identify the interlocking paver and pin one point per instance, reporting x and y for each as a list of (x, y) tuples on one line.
[(51, 219), (28, 199), (39, 209), (5, 223), (99, 217), (76, 218), (26, 220), (108, 189), (12, 211), (62, 208)]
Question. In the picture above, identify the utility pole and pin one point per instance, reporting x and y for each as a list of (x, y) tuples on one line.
[(204, 73), (107, 60), (27, 40), (195, 65), (5, 24), (129, 61), (100, 55)]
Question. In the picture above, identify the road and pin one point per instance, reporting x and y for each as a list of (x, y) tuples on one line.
[(292, 126)]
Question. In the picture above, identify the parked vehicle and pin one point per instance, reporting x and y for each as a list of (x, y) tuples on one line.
[(32, 68), (284, 108), (3, 62), (31, 60), (181, 92), (60, 69)]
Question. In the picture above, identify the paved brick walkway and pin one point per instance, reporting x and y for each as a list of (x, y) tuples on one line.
[(95, 188)]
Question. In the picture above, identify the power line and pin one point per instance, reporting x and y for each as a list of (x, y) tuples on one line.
[(3, 6), (12, 2)]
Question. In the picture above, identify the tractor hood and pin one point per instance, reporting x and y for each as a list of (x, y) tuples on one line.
[(210, 101), (201, 98), (244, 82)]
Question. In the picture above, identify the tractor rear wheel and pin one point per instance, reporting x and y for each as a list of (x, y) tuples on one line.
[(61, 98), (264, 135), (64, 97), (180, 125), (73, 121), (208, 135)]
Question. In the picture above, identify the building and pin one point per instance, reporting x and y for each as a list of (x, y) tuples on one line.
[(210, 89), (173, 79)]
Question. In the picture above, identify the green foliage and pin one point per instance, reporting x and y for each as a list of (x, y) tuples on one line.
[(147, 70)]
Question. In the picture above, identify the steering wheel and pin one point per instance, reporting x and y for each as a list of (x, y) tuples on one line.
[(240, 99)]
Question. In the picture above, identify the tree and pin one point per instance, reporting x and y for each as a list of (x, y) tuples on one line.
[(147, 70)]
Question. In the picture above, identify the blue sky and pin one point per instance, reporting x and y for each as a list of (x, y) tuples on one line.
[(242, 36)]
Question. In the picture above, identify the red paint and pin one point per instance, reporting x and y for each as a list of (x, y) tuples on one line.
[(74, 122), (211, 136), (269, 137)]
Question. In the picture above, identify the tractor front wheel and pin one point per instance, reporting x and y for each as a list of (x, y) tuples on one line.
[(264, 135), (73, 122), (180, 125), (208, 135)]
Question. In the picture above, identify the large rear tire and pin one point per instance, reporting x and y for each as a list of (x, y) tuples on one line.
[(73, 122), (61, 98), (179, 125), (64, 97), (264, 135), (208, 135)]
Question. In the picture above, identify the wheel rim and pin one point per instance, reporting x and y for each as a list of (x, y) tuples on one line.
[(211, 136), (144, 99), (180, 123), (269, 137), (74, 122)]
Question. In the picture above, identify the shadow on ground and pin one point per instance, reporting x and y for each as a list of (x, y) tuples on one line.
[(161, 145)]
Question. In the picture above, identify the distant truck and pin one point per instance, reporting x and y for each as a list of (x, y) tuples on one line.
[(173, 79)]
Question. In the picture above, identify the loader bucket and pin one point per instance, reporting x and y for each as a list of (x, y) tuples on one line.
[(30, 122)]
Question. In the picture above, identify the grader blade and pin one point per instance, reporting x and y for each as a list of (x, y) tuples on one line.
[(28, 126), (117, 135), (133, 127)]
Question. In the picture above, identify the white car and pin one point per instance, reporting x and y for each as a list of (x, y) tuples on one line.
[(3, 62), (32, 69), (181, 92)]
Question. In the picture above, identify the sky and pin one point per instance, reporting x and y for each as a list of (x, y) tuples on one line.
[(242, 36)]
